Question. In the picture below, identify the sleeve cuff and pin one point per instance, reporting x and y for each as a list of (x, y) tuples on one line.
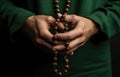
[(19, 21)]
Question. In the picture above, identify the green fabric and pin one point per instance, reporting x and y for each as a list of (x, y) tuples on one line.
[(15, 16), (94, 58)]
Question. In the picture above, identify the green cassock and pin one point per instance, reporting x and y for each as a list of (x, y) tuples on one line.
[(24, 59)]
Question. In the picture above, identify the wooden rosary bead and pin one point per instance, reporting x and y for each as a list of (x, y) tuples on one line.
[(68, 5), (56, 1), (54, 64), (67, 66), (68, 1), (55, 58), (58, 20), (67, 60), (56, 70), (60, 73), (57, 6), (55, 52), (58, 10), (66, 70)]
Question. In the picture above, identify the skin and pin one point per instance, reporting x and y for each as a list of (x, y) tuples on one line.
[(84, 28), (37, 28)]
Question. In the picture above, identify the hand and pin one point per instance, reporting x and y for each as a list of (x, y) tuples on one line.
[(37, 28), (83, 29)]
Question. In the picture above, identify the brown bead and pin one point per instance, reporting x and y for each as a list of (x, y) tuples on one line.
[(56, 27), (57, 6), (65, 14), (55, 42), (66, 25), (55, 58), (66, 28), (67, 66), (68, 5), (67, 60), (67, 43), (67, 52), (54, 64), (66, 9), (56, 22), (68, 1), (56, 1), (56, 70), (60, 73), (56, 52), (58, 10), (65, 70), (57, 14)]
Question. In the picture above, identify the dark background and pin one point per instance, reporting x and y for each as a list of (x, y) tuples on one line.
[(115, 46)]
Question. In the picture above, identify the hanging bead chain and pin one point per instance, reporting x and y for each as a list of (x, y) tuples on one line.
[(65, 55)]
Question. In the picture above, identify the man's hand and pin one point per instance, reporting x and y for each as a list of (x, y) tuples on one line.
[(83, 29), (37, 28)]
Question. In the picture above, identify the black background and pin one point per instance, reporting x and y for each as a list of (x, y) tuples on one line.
[(115, 46)]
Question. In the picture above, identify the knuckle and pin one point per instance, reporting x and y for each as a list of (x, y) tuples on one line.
[(74, 16), (37, 17), (81, 31), (49, 18)]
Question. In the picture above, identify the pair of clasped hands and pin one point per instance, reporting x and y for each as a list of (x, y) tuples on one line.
[(38, 29)]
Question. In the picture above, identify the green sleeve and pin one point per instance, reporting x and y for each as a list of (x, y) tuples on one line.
[(13, 16), (108, 18)]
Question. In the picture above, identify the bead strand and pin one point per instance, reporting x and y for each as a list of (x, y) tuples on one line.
[(61, 19)]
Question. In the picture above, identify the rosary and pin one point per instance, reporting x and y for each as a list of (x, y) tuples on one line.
[(56, 53)]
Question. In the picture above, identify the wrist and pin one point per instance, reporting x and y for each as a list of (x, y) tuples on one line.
[(94, 26), (28, 25)]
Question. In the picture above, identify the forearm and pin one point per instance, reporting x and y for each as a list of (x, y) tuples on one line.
[(108, 18)]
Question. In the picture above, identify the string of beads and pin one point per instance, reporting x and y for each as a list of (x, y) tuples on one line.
[(56, 53)]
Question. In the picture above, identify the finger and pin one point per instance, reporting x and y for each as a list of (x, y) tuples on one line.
[(60, 16), (76, 32), (58, 48), (51, 20), (44, 49), (43, 31), (60, 26), (71, 52), (72, 18), (77, 42), (40, 42), (72, 44), (55, 42)]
